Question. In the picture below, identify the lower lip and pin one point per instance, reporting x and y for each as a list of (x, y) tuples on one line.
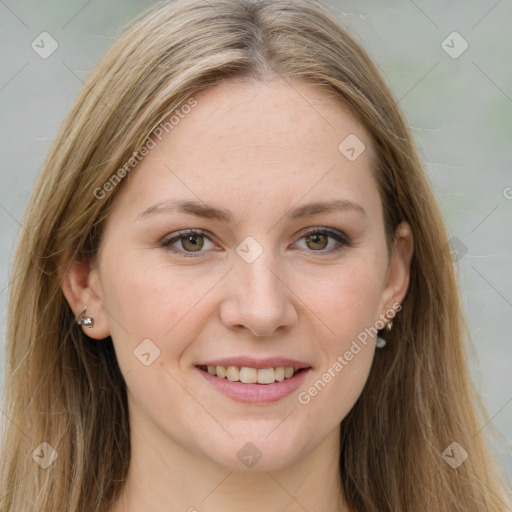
[(256, 393)]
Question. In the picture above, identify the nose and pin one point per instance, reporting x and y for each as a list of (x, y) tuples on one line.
[(258, 298)]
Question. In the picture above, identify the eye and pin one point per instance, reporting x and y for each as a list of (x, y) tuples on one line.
[(191, 241), (317, 239)]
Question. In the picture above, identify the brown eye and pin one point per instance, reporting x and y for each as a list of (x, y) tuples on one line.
[(192, 242), (317, 241), (320, 240), (188, 243)]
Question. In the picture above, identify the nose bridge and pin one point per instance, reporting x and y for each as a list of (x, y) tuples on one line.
[(262, 300), (259, 279)]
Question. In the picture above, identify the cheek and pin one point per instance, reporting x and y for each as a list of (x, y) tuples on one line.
[(347, 296), (348, 304), (147, 298)]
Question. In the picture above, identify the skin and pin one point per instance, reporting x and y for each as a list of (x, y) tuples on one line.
[(258, 150)]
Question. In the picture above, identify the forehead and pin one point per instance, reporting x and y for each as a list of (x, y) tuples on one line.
[(256, 144), (251, 117)]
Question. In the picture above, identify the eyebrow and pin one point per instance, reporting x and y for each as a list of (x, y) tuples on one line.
[(206, 211)]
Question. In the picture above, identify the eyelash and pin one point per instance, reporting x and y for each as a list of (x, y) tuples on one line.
[(342, 239)]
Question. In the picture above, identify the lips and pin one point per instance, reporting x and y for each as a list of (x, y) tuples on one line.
[(252, 380)]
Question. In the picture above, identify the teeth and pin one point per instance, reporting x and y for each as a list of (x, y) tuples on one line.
[(232, 373), (249, 375), (267, 375)]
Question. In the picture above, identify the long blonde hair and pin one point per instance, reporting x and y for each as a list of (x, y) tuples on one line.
[(66, 391)]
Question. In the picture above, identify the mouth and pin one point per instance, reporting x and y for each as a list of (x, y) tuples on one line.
[(251, 375), (257, 384)]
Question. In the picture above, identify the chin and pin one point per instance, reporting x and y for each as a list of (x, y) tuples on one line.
[(269, 451)]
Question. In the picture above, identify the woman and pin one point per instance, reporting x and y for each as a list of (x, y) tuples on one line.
[(234, 289)]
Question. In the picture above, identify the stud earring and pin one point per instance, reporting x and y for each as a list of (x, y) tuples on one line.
[(381, 342), (86, 321)]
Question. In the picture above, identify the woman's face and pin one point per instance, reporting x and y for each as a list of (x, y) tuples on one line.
[(251, 288)]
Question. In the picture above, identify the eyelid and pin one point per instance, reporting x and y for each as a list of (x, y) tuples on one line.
[(341, 238), (175, 237)]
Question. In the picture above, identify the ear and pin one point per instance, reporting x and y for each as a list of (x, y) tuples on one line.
[(398, 276), (81, 287)]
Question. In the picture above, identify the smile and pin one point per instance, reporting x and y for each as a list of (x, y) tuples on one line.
[(253, 385), (249, 375)]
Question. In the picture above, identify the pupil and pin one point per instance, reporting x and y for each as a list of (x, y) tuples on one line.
[(192, 239), (316, 239)]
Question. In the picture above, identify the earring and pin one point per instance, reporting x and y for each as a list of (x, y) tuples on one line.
[(381, 342), (86, 321)]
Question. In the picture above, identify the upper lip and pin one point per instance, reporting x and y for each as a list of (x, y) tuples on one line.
[(251, 362)]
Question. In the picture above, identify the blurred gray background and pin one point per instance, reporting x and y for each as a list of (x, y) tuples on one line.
[(457, 99)]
